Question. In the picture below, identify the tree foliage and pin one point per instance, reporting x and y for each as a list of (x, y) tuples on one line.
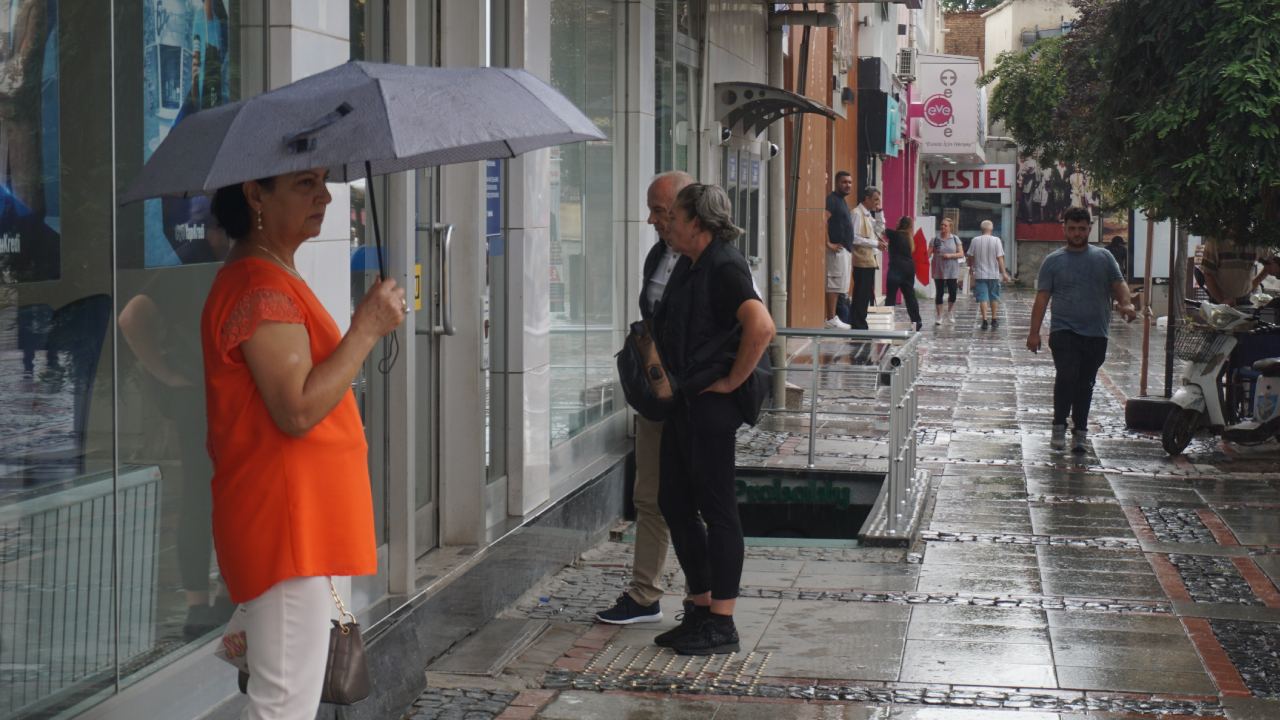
[(968, 5), (1032, 86), (1171, 105)]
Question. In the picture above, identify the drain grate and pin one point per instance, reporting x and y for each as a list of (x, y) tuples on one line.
[(1018, 539)]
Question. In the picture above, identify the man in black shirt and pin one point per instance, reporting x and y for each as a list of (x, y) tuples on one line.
[(839, 247)]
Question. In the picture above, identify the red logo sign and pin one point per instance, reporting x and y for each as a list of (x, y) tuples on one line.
[(937, 111)]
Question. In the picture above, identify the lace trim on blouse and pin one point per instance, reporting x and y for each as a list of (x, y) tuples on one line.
[(258, 306)]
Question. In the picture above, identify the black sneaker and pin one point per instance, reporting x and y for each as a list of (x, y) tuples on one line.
[(984, 324), (689, 620), (627, 611), (714, 635), (994, 323)]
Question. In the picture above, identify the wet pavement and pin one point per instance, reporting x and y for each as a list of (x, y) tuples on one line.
[(1115, 583)]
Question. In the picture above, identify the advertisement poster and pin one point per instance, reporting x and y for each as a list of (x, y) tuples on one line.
[(952, 103), (30, 227), (1044, 193), (188, 66)]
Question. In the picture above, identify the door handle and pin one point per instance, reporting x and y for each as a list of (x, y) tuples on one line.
[(446, 285)]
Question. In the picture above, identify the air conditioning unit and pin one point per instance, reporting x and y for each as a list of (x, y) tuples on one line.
[(906, 70)]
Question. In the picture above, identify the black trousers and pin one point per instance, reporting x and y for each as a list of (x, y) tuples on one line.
[(949, 285), (698, 496), (1077, 359), (864, 296), (906, 282)]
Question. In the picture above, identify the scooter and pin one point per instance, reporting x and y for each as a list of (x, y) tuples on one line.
[(1206, 344), (1264, 422)]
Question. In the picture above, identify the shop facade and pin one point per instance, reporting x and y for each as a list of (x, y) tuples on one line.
[(494, 422)]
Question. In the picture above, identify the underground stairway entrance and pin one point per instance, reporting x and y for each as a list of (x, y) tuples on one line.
[(819, 507)]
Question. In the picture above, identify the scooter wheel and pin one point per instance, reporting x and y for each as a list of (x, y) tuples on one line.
[(1179, 427)]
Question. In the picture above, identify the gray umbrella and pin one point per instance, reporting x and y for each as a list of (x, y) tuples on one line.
[(386, 118)]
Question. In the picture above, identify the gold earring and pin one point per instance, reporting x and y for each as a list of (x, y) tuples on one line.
[(259, 219)]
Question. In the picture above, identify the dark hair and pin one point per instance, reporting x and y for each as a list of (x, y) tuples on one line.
[(1117, 240), (709, 205), (869, 190), (231, 209), (843, 174), (905, 222), (1077, 214)]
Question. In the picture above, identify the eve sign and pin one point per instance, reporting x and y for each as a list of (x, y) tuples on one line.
[(938, 111)]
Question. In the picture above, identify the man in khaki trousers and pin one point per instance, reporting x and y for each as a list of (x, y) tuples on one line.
[(640, 602)]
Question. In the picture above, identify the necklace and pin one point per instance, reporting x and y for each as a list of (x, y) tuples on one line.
[(279, 262)]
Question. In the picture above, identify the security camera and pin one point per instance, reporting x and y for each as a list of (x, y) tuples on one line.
[(725, 135), (774, 150)]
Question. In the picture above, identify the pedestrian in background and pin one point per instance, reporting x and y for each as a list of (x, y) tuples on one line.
[(291, 497), (945, 252), (640, 602), (986, 258), (714, 331), (839, 254), (1080, 281), (902, 269), (866, 244)]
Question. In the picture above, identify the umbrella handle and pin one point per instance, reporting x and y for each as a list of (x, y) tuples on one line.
[(304, 140), (377, 229)]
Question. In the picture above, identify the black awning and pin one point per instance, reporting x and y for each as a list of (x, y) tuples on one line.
[(754, 106)]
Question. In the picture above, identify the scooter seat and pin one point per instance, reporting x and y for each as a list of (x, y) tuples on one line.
[(1269, 367)]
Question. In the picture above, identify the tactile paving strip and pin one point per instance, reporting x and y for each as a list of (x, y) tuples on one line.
[(693, 682), (649, 667)]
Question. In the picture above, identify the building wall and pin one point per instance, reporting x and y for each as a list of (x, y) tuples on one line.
[(966, 34), (1006, 22)]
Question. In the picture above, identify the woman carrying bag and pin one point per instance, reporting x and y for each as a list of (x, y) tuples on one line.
[(714, 331)]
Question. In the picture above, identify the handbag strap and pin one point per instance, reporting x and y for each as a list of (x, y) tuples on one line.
[(343, 612)]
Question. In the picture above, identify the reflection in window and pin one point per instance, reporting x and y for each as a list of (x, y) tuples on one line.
[(106, 557), (585, 329)]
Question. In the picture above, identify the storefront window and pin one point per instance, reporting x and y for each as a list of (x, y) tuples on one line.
[(585, 325), (106, 559), (676, 83)]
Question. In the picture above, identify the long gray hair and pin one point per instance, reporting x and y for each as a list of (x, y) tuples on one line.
[(709, 205)]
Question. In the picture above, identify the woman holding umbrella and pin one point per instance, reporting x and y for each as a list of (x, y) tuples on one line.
[(291, 498)]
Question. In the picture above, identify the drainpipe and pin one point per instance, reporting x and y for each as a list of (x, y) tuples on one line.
[(796, 144), (779, 255)]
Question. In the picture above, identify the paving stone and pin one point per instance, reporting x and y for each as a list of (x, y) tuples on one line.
[(1213, 580)]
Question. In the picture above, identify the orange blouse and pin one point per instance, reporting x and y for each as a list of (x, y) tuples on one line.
[(283, 507)]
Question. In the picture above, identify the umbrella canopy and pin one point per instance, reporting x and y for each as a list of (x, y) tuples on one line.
[(390, 117)]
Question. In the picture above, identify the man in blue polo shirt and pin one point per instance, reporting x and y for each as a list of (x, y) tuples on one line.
[(1080, 281)]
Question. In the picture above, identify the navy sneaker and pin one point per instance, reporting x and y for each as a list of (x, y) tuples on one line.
[(627, 611), (714, 635), (689, 620)]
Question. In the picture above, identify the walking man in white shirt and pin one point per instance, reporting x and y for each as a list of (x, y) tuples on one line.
[(986, 258)]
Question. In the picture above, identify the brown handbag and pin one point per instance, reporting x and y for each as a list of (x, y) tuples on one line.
[(346, 670)]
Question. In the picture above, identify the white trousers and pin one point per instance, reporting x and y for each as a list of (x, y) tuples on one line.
[(287, 637)]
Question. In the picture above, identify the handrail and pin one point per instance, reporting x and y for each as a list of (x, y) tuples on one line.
[(896, 364)]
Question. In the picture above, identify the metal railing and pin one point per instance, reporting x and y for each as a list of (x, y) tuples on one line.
[(58, 587), (884, 362)]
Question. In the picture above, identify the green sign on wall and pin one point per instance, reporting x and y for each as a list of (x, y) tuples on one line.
[(812, 493)]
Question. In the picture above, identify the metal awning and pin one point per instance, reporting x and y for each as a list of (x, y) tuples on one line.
[(755, 106)]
